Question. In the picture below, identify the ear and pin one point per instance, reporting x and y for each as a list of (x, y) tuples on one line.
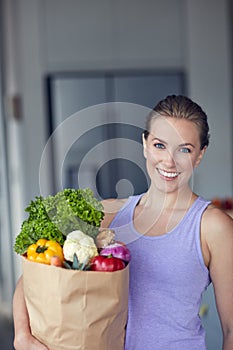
[(200, 156), (144, 146)]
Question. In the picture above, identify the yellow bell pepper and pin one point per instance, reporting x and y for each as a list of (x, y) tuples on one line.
[(43, 250)]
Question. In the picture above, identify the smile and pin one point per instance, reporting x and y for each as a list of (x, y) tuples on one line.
[(170, 175)]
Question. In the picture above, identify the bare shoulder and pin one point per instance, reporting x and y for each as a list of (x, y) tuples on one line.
[(113, 205), (111, 208), (214, 216), (216, 225)]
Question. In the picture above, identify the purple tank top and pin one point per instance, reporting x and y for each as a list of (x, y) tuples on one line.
[(167, 279)]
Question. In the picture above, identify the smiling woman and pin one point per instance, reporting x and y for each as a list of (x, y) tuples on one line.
[(180, 234), (179, 242)]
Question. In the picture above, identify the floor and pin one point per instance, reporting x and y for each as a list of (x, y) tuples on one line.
[(6, 333)]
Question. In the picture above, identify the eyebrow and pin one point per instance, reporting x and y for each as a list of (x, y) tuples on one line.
[(181, 145)]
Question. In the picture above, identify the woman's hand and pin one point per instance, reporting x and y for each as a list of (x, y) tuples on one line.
[(25, 341)]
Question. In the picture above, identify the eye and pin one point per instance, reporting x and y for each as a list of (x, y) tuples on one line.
[(159, 145), (185, 150)]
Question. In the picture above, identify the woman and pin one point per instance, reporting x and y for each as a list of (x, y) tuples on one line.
[(179, 242)]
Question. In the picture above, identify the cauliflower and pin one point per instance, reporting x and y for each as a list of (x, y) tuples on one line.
[(81, 244)]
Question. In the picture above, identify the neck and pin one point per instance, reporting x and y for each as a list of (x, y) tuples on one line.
[(180, 199)]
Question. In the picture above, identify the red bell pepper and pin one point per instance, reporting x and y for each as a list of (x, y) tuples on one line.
[(106, 263)]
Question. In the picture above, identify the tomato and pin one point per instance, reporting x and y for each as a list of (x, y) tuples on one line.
[(106, 263), (56, 261)]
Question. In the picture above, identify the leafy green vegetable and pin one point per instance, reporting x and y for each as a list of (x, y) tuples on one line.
[(55, 216)]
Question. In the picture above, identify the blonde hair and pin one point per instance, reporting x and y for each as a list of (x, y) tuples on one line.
[(182, 107)]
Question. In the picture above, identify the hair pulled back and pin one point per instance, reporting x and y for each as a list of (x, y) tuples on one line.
[(181, 107)]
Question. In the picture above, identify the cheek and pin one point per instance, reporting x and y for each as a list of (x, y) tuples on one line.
[(152, 156), (185, 162)]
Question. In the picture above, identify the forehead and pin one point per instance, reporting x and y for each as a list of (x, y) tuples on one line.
[(180, 130)]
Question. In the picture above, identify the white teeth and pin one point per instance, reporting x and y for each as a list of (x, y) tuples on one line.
[(165, 173)]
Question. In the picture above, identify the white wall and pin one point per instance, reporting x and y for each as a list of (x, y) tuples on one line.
[(209, 67), (113, 34)]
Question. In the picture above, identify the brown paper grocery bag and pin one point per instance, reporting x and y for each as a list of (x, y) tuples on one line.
[(72, 310)]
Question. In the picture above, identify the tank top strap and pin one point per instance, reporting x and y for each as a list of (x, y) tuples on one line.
[(125, 214), (196, 210)]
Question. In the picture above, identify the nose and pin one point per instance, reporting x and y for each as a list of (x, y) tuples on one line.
[(169, 159)]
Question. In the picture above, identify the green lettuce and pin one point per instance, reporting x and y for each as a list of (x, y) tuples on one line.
[(54, 217)]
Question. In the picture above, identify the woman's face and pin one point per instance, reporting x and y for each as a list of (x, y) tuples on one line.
[(172, 151)]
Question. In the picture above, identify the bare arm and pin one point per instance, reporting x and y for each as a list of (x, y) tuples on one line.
[(111, 207), (23, 337), (218, 228)]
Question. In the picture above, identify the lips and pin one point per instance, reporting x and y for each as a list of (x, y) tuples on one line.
[(168, 174)]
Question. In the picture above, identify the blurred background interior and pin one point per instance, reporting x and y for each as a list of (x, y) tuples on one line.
[(58, 57)]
